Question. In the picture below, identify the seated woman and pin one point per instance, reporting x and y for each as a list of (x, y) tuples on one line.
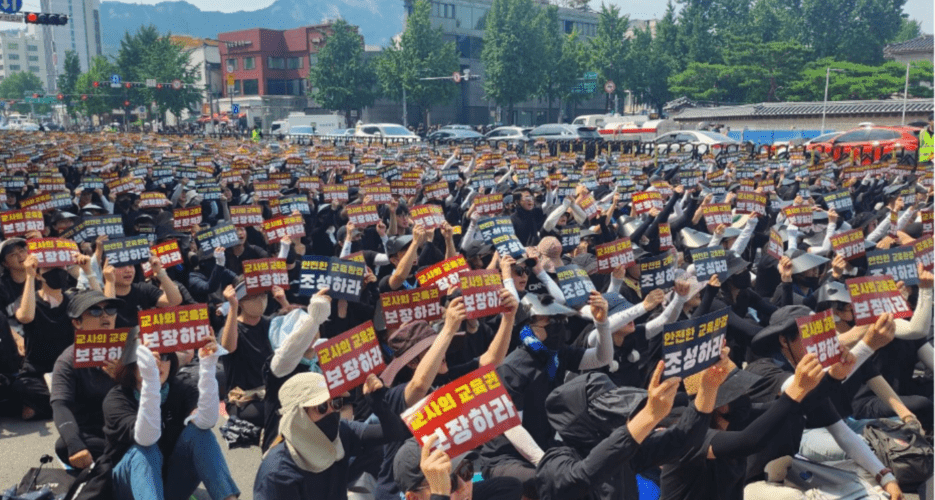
[(150, 414)]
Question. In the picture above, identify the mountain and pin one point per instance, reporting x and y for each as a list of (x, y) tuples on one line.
[(378, 20)]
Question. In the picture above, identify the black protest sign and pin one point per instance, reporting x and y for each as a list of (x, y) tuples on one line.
[(899, 262), (657, 272), (499, 232), (710, 261), (840, 201), (314, 274), (126, 251), (570, 237), (690, 346), (93, 226), (576, 285), (343, 278), (223, 235)]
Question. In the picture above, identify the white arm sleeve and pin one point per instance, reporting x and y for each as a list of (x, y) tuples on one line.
[(449, 162), (601, 354), (520, 438), (287, 357), (346, 248), (468, 198), (552, 219), (825, 247), (381, 259), (552, 286), (905, 218), (883, 228), (283, 250), (148, 427), (740, 244), (578, 214), (855, 448), (862, 352), (510, 285), (921, 323), (620, 319), (669, 314), (206, 416), (469, 235), (926, 353), (615, 284)]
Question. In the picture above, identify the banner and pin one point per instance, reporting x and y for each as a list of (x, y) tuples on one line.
[(849, 244), (53, 252), (898, 263), (95, 348), (286, 225), (873, 296), (481, 292), (799, 215), (347, 360), (657, 272), (363, 215), (570, 237), (464, 414), (612, 255), (126, 251), (246, 215), (175, 328), (710, 261), (185, 218), (576, 285), (445, 274), (820, 337), (20, 222), (168, 253), (223, 235), (261, 275), (716, 214), (690, 346), (430, 216), (486, 205), (774, 246), (421, 304)]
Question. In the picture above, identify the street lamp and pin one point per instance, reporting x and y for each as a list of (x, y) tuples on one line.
[(824, 105)]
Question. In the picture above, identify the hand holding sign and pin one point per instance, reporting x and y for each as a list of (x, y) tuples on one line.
[(808, 373), (661, 393), (880, 333)]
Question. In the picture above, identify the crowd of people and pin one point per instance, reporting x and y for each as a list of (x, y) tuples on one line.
[(587, 373)]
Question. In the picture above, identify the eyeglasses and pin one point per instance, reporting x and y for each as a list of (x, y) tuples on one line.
[(336, 405), (97, 311)]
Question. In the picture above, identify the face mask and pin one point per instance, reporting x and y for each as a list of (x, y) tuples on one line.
[(55, 279), (738, 413), (329, 426), (556, 335), (810, 283), (741, 280)]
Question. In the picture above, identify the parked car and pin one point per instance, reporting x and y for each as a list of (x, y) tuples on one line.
[(877, 139), (453, 135), (509, 134), (457, 127), (301, 134), (702, 140), (386, 131), (563, 132)]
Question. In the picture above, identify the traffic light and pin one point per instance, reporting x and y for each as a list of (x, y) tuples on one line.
[(84, 97), (126, 104), (61, 97), (95, 84), (45, 18)]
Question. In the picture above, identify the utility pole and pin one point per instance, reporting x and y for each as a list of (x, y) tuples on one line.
[(905, 95)]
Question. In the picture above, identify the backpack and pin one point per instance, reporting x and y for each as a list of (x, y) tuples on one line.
[(902, 448)]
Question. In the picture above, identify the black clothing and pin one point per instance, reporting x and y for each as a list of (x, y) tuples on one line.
[(47, 335), (77, 396), (244, 366), (142, 296)]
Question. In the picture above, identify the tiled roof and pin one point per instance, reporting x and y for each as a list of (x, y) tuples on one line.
[(924, 43), (778, 109)]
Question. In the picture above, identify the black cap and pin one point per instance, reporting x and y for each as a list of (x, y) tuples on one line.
[(9, 244), (406, 470), (766, 342), (82, 301), (397, 243)]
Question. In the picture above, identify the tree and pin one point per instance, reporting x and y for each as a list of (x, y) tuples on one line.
[(342, 80), (707, 82), (650, 67), (422, 52), (559, 59), (68, 80), (609, 49), (100, 100), (851, 30), (859, 81), (511, 51), (18, 85), (908, 29), (764, 67)]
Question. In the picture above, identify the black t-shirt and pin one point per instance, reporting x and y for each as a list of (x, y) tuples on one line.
[(10, 292), (82, 389), (244, 367), (142, 296), (47, 336), (250, 252), (694, 476)]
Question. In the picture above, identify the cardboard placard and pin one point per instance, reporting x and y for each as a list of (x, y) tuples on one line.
[(421, 304), (265, 190), (464, 414), (923, 250), (927, 216), (223, 235), (346, 279), (898, 263), (126, 185), (41, 202), (750, 202), (710, 261), (186, 218), (799, 215), (873, 296), (644, 201), (126, 251), (53, 252), (437, 191), (840, 201), (774, 248), (404, 187), (481, 292), (286, 225), (168, 253), (716, 214), (576, 285), (690, 346), (314, 274), (430, 216), (570, 237), (175, 329), (445, 274), (363, 215), (820, 337), (92, 226), (589, 206), (665, 237), (657, 272), (309, 183), (95, 348), (293, 203), (335, 192), (20, 222), (380, 193), (347, 360), (499, 232), (261, 275), (849, 244), (246, 215), (486, 205), (153, 200), (61, 200), (612, 255)]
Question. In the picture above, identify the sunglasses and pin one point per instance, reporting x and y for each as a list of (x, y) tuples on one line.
[(336, 405), (97, 311), (520, 271)]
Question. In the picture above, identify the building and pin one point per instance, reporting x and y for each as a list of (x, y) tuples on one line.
[(22, 50), (918, 49), (81, 35), (265, 71), (204, 54)]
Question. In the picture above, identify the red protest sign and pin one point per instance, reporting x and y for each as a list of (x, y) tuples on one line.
[(53, 252), (286, 225), (153, 200), (665, 237), (265, 190), (873, 296), (445, 274), (612, 255), (261, 275), (927, 216), (308, 183), (716, 214), (185, 218), (168, 253), (41, 202), (488, 204), (589, 206), (246, 215), (411, 305), (404, 187), (175, 328), (430, 216), (644, 201), (437, 191), (750, 202), (363, 215), (774, 246), (923, 251), (94, 348), (481, 292), (849, 244), (799, 215), (894, 224), (380, 193), (20, 222), (464, 414), (820, 337), (347, 359)]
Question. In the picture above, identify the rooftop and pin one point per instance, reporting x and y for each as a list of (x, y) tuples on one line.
[(924, 43), (793, 109)]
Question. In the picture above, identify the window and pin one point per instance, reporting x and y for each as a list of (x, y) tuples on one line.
[(14, 67), (32, 48), (445, 10), (12, 46), (312, 60), (13, 57), (1, 66), (232, 64), (251, 87), (294, 63), (1, 57), (275, 63), (249, 63), (285, 87), (34, 69), (33, 58)]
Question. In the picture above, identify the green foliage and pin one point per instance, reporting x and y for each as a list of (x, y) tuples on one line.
[(512, 47), (422, 53), (17, 85), (68, 80), (342, 79), (101, 100), (561, 59), (707, 82), (908, 29), (609, 49), (850, 30)]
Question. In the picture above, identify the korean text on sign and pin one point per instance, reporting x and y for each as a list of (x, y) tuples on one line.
[(346, 279), (53, 252), (774, 247), (126, 251), (94, 348), (710, 261), (184, 218), (613, 255), (716, 214), (665, 237), (287, 225), (899, 263), (873, 296), (644, 201), (314, 274), (411, 305), (657, 272), (347, 359), (690, 346), (363, 215), (168, 253), (262, 275), (575, 284), (481, 292), (445, 274), (246, 215), (488, 204), (20, 222), (799, 215), (570, 237), (175, 328), (223, 235), (820, 337), (849, 244), (464, 414), (923, 250), (430, 216)]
